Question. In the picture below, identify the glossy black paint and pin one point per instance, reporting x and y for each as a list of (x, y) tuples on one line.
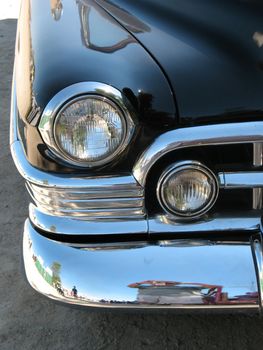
[(212, 52), (84, 43), (178, 62)]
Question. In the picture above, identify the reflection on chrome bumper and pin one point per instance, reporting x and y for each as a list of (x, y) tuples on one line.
[(166, 274)]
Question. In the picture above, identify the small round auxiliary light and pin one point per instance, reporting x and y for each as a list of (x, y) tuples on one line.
[(187, 189)]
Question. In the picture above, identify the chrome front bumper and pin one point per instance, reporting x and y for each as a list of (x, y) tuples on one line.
[(184, 274)]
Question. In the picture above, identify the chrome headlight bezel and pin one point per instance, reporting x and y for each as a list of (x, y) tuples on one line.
[(77, 92), (176, 168)]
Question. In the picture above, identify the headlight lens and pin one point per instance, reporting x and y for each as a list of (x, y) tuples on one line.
[(90, 129), (187, 189)]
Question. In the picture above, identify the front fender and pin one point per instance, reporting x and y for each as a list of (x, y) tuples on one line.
[(84, 43)]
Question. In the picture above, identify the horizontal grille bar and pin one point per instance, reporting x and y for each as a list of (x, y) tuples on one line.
[(208, 135), (246, 179)]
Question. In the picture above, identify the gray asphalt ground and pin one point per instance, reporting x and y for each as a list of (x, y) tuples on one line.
[(28, 321)]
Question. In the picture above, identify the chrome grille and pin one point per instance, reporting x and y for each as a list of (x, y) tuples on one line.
[(200, 140), (123, 198), (247, 179)]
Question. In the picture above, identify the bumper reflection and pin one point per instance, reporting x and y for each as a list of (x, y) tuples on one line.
[(169, 292), (105, 277)]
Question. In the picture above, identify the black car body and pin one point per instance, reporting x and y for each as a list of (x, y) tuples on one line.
[(137, 126)]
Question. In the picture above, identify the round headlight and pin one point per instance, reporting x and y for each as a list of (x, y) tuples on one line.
[(87, 124), (187, 189), (90, 129)]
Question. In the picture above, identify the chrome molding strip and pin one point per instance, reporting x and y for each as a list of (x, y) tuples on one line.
[(258, 162), (64, 181), (154, 276), (218, 134), (87, 199), (218, 223), (121, 191), (88, 227), (130, 213), (88, 202)]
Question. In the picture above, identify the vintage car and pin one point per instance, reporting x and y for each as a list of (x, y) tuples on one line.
[(137, 126)]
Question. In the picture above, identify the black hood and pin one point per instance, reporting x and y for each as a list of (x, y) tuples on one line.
[(211, 52)]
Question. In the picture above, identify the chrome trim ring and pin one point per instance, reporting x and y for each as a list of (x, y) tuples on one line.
[(182, 166), (74, 93)]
